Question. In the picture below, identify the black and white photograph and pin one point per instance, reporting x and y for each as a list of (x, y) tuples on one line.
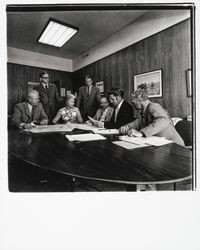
[(101, 102), (84, 141)]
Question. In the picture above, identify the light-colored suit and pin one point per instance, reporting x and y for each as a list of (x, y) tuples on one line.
[(107, 115), (88, 105), (22, 114), (156, 121)]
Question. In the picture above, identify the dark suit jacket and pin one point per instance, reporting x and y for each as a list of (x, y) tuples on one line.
[(125, 115), (49, 98), (23, 115), (156, 121), (88, 105)]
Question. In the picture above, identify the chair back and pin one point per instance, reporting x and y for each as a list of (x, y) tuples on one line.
[(184, 128)]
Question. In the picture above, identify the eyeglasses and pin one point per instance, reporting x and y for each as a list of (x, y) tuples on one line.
[(46, 77)]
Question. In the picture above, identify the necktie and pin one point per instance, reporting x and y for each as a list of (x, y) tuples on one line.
[(32, 114), (88, 91), (143, 119), (46, 86)]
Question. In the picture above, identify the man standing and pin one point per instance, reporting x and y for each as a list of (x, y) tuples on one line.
[(88, 99), (49, 96), (153, 119), (29, 112), (123, 112)]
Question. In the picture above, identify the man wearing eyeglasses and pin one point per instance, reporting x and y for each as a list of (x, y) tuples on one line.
[(49, 96)]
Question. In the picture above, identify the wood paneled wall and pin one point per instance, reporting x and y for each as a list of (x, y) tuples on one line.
[(20, 75), (169, 50)]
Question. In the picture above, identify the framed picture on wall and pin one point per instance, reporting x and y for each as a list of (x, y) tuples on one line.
[(152, 80), (100, 86), (189, 82)]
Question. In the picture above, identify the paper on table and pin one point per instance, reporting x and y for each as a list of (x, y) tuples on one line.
[(127, 145), (143, 141), (50, 128), (157, 141), (85, 137), (107, 131), (140, 141)]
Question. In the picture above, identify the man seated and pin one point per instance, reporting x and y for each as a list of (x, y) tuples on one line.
[(122, 114), (152, 120), (105, 112), (31, 112)]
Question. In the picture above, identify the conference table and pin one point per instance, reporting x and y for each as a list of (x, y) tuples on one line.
[(102, 160)]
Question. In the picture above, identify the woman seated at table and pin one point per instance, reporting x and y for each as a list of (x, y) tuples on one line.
[(69, 114)]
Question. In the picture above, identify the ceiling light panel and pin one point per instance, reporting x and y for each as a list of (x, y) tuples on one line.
[(56, 33)]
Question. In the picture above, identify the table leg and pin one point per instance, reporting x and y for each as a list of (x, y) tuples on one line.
[(175, 187), (72, 184)]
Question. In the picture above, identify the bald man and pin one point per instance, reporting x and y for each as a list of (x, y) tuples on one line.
[(29, 112)]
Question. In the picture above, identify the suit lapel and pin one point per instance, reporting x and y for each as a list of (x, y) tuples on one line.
[(43, 89), (120, 111), (27, 111)]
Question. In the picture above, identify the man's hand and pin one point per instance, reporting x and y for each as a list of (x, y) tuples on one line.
[(98, 124), (124, 129), (43, 122), (28, 126), (133, 132)]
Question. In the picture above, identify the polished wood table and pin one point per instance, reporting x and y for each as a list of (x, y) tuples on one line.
[(102, 160)]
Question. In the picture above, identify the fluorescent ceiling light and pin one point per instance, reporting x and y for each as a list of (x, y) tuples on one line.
[(57, 33)]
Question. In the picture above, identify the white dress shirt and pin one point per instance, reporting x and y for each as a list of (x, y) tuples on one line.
[(117, 109)]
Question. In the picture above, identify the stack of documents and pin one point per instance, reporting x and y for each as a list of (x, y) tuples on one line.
[(145, 141), (85, 137)]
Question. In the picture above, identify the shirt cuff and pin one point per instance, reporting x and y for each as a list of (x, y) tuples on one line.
[(21, 125)]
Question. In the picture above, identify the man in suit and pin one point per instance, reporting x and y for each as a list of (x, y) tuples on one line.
[(88, 99), (123, 112), (105, 112), (49, 96), (29, 112), (152, 120)]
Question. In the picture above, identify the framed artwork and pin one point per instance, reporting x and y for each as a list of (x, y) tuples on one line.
[(189, 82), (100, 86), (152, 80)]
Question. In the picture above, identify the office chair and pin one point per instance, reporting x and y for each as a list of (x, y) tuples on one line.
[(184, 128)]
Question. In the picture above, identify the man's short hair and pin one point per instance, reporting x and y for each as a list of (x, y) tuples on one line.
[(104, 96), (42, 73), (116, 92), (140, 94), (35, 92), (88, 77)]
